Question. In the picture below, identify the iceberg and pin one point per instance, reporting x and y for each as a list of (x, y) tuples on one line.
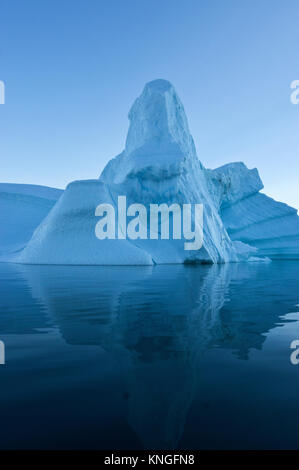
[(159, 165), (67, 234), (22, 208), (252, 217)]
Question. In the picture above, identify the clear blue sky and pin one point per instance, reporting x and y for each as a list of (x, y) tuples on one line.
[(72, 69)]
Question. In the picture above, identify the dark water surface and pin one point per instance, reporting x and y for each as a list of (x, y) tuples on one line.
[(188, 357)]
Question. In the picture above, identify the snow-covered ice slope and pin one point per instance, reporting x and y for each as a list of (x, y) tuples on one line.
[(159, 165), (252, 217), (22, 208), (67, 234)]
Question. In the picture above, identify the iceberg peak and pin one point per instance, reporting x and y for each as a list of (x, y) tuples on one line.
[(158, 121), (159, 85)]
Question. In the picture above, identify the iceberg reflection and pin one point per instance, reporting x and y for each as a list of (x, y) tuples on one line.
[(157, 322)]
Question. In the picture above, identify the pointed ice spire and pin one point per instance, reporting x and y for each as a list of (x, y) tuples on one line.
[(157, 118)]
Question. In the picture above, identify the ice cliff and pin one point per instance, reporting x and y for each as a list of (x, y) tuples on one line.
[(254, 218), (159, 165)]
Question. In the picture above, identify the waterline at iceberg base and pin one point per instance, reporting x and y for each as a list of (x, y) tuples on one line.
[(159, 165)]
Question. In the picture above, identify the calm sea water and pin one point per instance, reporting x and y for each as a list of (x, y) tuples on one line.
[(188, 357)]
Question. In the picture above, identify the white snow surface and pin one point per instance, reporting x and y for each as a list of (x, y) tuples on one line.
[(159, 165)]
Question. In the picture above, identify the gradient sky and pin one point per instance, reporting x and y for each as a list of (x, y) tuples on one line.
[(72, 69)]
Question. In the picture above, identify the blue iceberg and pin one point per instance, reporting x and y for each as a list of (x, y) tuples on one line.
[(159, 165)]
